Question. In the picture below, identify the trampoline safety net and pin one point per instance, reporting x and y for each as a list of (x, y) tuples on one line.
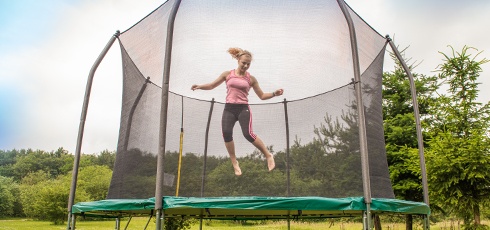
[(312, 129)]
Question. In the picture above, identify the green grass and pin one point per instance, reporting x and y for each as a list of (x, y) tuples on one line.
[(140, 222)]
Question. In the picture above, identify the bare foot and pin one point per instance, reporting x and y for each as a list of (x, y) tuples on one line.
[(237, 169), (270, 162)]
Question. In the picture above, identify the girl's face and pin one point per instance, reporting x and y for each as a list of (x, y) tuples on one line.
[(244, 62)]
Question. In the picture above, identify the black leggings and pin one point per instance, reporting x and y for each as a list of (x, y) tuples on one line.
[(233, 113)]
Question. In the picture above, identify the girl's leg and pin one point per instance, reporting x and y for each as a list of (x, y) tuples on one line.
[(228, 121), (245, 120), (258, 143), (230, 147)]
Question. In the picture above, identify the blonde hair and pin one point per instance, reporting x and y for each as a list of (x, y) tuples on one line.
[(236, 53)]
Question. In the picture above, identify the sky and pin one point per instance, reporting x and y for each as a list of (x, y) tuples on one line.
[(47, 49)]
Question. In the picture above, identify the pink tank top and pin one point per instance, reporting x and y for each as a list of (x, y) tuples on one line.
[(237, 88)]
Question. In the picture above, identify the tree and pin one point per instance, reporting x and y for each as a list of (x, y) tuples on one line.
[(46, 199), (9, 198), (55, 163), (8, 160), (104, 158), (107, 158), (256, 180), (459, 156), (95, 180)]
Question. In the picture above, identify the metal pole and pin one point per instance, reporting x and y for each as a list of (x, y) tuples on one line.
[(118, 223), (360, 110), (129, 221), (73, 221), (81, 126), (288, 183), (149, 219), (163, 115), (203, 175), (418, 126), (131, 113)]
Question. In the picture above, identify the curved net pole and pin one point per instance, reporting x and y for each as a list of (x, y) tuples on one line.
[(205, 160), (206, 138), (288, 166), (131, 113), (418, 126), (163, 116), (360, 111), (81, 127)]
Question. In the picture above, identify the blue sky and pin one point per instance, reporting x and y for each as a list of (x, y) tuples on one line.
[(22, 24), (48, 47)]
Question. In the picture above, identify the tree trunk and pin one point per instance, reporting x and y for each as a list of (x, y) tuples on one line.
[(408, 222), (476, 214)]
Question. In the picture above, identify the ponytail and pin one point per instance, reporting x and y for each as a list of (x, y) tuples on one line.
[(236, 53)]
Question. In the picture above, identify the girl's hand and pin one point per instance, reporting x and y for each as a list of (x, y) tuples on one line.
[(194, 87), (278, 92)]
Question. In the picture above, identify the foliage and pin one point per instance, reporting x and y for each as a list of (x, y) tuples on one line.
[(179, 223), (191, 170), (46, 199), (94, 180), (9, 199), (54, 163), (36, 183), (255, 180), (104, 158), (459, 154), (8, 160)]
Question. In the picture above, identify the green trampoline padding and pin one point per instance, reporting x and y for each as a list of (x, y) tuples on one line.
[(250, 207)]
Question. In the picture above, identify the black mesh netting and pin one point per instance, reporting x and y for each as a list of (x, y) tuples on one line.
[(300, 46)]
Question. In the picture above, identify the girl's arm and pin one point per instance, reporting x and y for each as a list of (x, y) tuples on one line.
[(260, 93), (214, 84)]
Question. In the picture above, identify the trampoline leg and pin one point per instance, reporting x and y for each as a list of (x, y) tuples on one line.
[(158, 217), (129, 221), (426, 222), (118, 223), (146, 226), (73, 221), (367, 220), (68, 223)]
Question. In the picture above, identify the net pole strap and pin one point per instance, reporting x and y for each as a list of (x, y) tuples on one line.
[(180, 146), (180, 161), (81, 128), (417, 120)]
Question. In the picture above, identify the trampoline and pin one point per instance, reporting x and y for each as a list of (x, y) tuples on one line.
[(325, 132)]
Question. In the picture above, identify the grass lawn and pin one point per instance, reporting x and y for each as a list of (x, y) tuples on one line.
[(140, 222)]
